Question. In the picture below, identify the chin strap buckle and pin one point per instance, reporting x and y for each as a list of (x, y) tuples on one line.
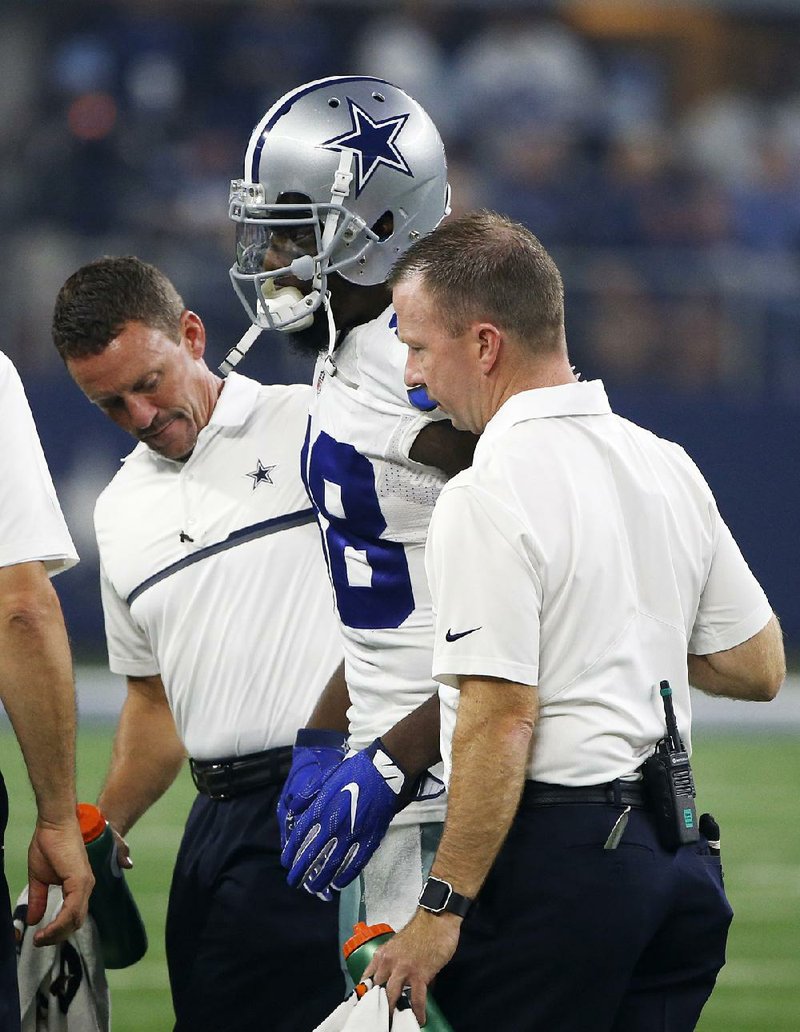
[(238, 351)]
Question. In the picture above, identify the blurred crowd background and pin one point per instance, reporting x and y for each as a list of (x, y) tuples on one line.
[(654, 147)]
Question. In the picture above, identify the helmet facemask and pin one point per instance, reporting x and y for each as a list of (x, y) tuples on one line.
[(326, 236)]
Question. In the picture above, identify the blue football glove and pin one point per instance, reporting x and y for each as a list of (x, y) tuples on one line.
[(333, 839), (315, 755)]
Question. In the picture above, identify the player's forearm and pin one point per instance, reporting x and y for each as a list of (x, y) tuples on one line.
[(414, 741), (330, 712), (146, 758), (491, 746), (37, 687)]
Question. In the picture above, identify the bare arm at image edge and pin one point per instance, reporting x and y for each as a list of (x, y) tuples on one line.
[(38, 692)]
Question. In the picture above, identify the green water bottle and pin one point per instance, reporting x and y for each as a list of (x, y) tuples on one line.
[(119, 924), (358, 952)]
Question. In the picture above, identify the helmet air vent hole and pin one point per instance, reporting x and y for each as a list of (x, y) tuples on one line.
[(384, 227), (379, 97), (334, 102)]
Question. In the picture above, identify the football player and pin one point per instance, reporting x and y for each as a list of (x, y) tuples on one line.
[(341, 176)]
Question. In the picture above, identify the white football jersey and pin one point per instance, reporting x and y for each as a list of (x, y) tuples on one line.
[(374, 505)]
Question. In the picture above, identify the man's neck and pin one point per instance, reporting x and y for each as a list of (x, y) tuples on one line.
[(550, 372), (353, 305)]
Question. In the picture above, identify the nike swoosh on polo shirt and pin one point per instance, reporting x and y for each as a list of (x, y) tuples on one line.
[(455, 635)]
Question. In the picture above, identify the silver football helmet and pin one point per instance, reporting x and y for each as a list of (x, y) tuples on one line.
[(348, 172)]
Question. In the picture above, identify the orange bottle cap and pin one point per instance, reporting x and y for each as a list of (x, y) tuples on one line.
[(92, 822), (363, 933)]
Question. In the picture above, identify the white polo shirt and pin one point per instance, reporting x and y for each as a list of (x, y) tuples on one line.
[(32, 526), (213, 576), (585, 555)]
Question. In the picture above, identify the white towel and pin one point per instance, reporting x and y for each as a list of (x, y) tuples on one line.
[(62, 988), (394, 877), (335, 1022), (369, 1014)]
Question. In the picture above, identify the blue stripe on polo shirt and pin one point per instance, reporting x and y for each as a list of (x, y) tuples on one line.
[(237, 537)]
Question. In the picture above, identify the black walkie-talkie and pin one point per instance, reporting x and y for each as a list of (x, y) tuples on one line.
[(668, 782)]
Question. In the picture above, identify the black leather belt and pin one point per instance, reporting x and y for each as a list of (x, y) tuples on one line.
[(236, 775), (625, 793)]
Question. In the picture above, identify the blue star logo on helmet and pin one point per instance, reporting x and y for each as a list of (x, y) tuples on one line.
[(373, 141)]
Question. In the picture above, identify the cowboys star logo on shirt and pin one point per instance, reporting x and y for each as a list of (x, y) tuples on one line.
[(261, 474), (373, 143)]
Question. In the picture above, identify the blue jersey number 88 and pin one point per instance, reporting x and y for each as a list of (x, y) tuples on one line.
[(383, 596)]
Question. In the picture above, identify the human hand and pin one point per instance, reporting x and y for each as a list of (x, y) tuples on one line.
[(122, 848), (57, 856), (315, 755), (337, 834), (413, 957)]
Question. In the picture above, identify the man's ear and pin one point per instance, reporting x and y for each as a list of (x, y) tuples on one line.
[(194, 332), (490, 341)]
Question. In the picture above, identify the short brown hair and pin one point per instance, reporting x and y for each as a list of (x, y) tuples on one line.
[(97, 301), (483, 264)]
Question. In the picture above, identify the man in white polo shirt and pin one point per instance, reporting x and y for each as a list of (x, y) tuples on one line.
[(578, 565), (36, 684), (218, 611)]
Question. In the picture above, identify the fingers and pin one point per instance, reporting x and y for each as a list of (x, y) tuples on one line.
[(326, 895), (76, 887), (123, 851), (313, 864), (314, 869), (405, 990), (418, 994), (37, 900), (65, 922), (69, 916), (298, 858), (348, 870), (57, 856), (317, 874)]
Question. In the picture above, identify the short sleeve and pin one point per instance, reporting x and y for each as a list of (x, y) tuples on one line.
[(32, 526), (487, 593), (733, 606), (129, 650)]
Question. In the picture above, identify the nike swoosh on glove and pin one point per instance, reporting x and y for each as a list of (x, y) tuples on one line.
[(315, 756), (337, 834)]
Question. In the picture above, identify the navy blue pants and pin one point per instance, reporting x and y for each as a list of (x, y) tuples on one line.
[(245, 950), (9, 994), (568, 937)]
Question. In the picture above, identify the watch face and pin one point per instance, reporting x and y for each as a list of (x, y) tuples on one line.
[(435, 894)]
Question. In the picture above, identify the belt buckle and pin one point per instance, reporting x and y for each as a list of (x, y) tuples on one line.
[(223, 770)]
